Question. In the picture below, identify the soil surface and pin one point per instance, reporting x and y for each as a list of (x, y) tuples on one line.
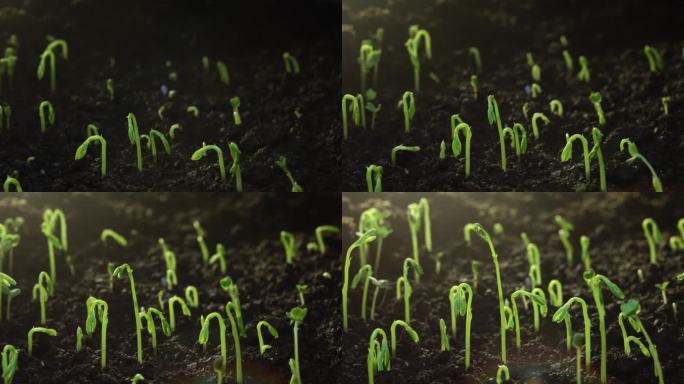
[(611, 34), (255, 260), (130, 42), (618, 249)]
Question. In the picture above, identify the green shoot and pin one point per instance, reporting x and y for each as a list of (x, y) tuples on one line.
[(134, 138), (502, 374), (402, 148), (374, 178), (630, 310), (538, 299), (494, 117), (32, 331), (301, 289), (362, 109), (526, 110), (530, 59), (49, 53), (223, 74), (473, 85), (378, 284), (173, 129), (416, 35), (137, 378), (191, 296), (41, 115), (42, 290), (460, 306), (594, 281), (290, 245), (374, 218), (365, 238), (355, 110), (10, 363), (443, 336), (111, 234), (442, 150), (518, 138), (296, 316), (577, 343), (228, 285), (119, 274), (110, 88), (556, 107), (414, 213), (52, 218), (204, 335), (438, 261), (274, 333), (662, 287), (536, 90), (655, 61), (536, 116), (584, 74), (282, 164), (219, 257), (368, 59), (172, 315), (475, 267), (92, 130), (475, 53), (235, 170), (153, 146), (200, 153), (534, 260), (200, 241), (193, 110), (320, 230), (536, 73), (291, 63), (665, 101), (677, 242), (364, 273), (378, 358), (569, 63), (235, 103), (653, 237), (555, 290), (393, 334), (564, 234), (456, 143), (595, 98), (408, 107), (417, 270), (83, 148), (567, 152), (635, 154), (596, 152), (6, 283), (11, 182), (79, 339), (370, 105), (148, 314)]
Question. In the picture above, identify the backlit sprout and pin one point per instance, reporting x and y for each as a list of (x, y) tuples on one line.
[(219, 258), (536, 90), (52, 219), (443, 336), (11, 182), (134, 138), (665, 101), (42, 290), (583, 74), (301, 290), (518, 137), (556, 107), (539, 306), (402, 148), (173, 129), (403, 282), (655, 60), (6, 287), (282, 164), (121, 272), (235, 103), (494, 117), (535, 117), (456, 142), (416, 35), (569, 63), (49, 54), (83, 148), (235, 170), (415, 212), (473, 85), (296, 316), (408, 107), (461, 304), (191, 296), (393, 334), (364, 274), (662, 287), (374, 178), (677, 242), (477, 60), (442, 150), (223, 72), (137, 378), (377, 220), (320, 231), (274, 333), (595, 99), (630, 310), (371, 106), (653, 237), (10, 363), (635, 154), (364, 238), (152, 145), (148, 314), (200, 153), (34, 330), (368, 59), (350, 104), (193, 110), (290, 246), (50, 115), (502, 374), (563, 314), (110, 88), (536, 73), (586, 258), (596, 152), (172, 314)]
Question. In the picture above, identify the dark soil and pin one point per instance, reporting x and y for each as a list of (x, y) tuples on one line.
[(130, 42), (255, 260), (618, 249), (611, 34)]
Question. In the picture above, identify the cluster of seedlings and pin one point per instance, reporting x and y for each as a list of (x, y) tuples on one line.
[(155, 141), (374, 226), (148, 319), (517, 136)]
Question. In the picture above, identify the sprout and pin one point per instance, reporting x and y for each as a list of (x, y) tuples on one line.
[(556, 107), (536, 116), (526, 110), (370, 97), (148, 314), (119, 274), (10, 363), (594, 281), (665, 100), (228, 285), (200, 241), (494, 117), (320, 230), (555, 290), (219, 257), (393, 334), (369, 58), (364, 273), (518, 138), (47, 331), (502, 374), (536, 73), (596, 152), (460, 306), (577, 343), (42, 290), (184, 308), (301, 289), (676, 242), (282, 164), (456, 143), (200, 153), (534, 260), (41, 115), (416, 35), (223, 74), (291, 63), (6, 283), (473, 85), (365, 238), (290, 245), (296, 316), (235, 171), (442, 150), (408, 107), (274, 333), (49, 53), (173, 129), (655, 61), (11, 182), (583, 74), (79, 339), (204, 335), (193, 110), (152, 144), (137, 378), (191, 296), (414, 213), (355, 110), (374, 218), (362, 110), (475, 53), (379, 284), (51, 218), (134, 138), (635, 154), (378, 358), (83, 148), (417, 271), (536, 90), (110, 88), (374, 178), (170, 260), (235, 103), (653, 237), (663, 290), (538, 299), (443, 336), (569, 63), (111, 234), (92, 130), (595, 98), (564, 234), (402, 148), (630, 310)]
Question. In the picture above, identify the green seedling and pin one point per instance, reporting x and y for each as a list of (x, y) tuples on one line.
[(635, 154), (191, 296), (296, 316), (555, 289), (502, 374), (475, 53), (461, 304), (534, 260), (438, 261), (235, 103), (52, 218), (152, 143), (371, 106), (83, 149), (569, 63), (173, 129), (577, 344), (442, 150), (200, 153), (200, 241), (653, 237), (291, 63), (92, 130), (630, 311), (10, 363), (526, 110), (456, 143), (301, 290), (595, 98), (219, 257), (6, 284), (662, 287), (676, 242), (596, 152), (563, 314), (9, 240), (170, 261), (290, 246), (584, 74), (556, 107), (274, 333), (228, 285), (364, 273), (494, 117), (120, 272), (355, 110), (282, 164), (378, 358), (42, 290), (134, 138), (475, 267), (365, 238), (148, 314), (393, 334), (375, 219), (223, 72), (204, 335), (473, 85), (535, 127), (378, 284), (402, 148), (49, 54), (11, 182), (408, 107), (193, 110), (665, 101), (595, 281), (172, 315), (368, 59), (538, 299), (235, 170), (110, 88), (536, 90), (137, 378), (564, 233), (416, 35), (404, 280), (362, 109), (320, 231), (414, 213), (518, 137), (536, 73), (530, 59), (443, 336), (374, 178), (111, 234), (50, 115), (32, 331), (655, 60)]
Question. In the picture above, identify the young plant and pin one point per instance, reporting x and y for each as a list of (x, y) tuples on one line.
[(364, 273), (569, 63), (518, 137), (10, 363), (665, 101), (630, 311), (282, 164), (416, 35), (296, 316), (191, 296), (536, 90), (134, 138), (414, 213), (374, 178), (402, 148), (83, 148), (120, 272), (173, 129), (320, 231), (596, 152), (535, 127), (274, 333), (378, 358), (148, 314), (291, 63), (228, 285), (655, 61), (534, 260), (368, 59), (42, 290), (595, 98), (204, 335), (595, 281), (378, 284), (110, 89), (219, 257), (502, 374), (461, 302), (172, 314), (536, 72), (563, 314), (153, 146), (577, 344), (204, 250), (52, 218), (371, 106), (50, 115), (108, 233), (494, 117), (365, 238), (475, 53), (635, 154), (408, 107), (137, 378), (555, 290), (584, 74), (556, 107), (11, 182), (235, 103), (443, 336), (393, 334), (676, 242), (538, 299), (235, 171), (473, 85), (6, 284), (374, 218), (222, 69), (564, 233), (653, 237), (355, 110), (662, 287), (32, 331), (200, 153), (404, 280), (49, 53), (290, 245), (456, 143)]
